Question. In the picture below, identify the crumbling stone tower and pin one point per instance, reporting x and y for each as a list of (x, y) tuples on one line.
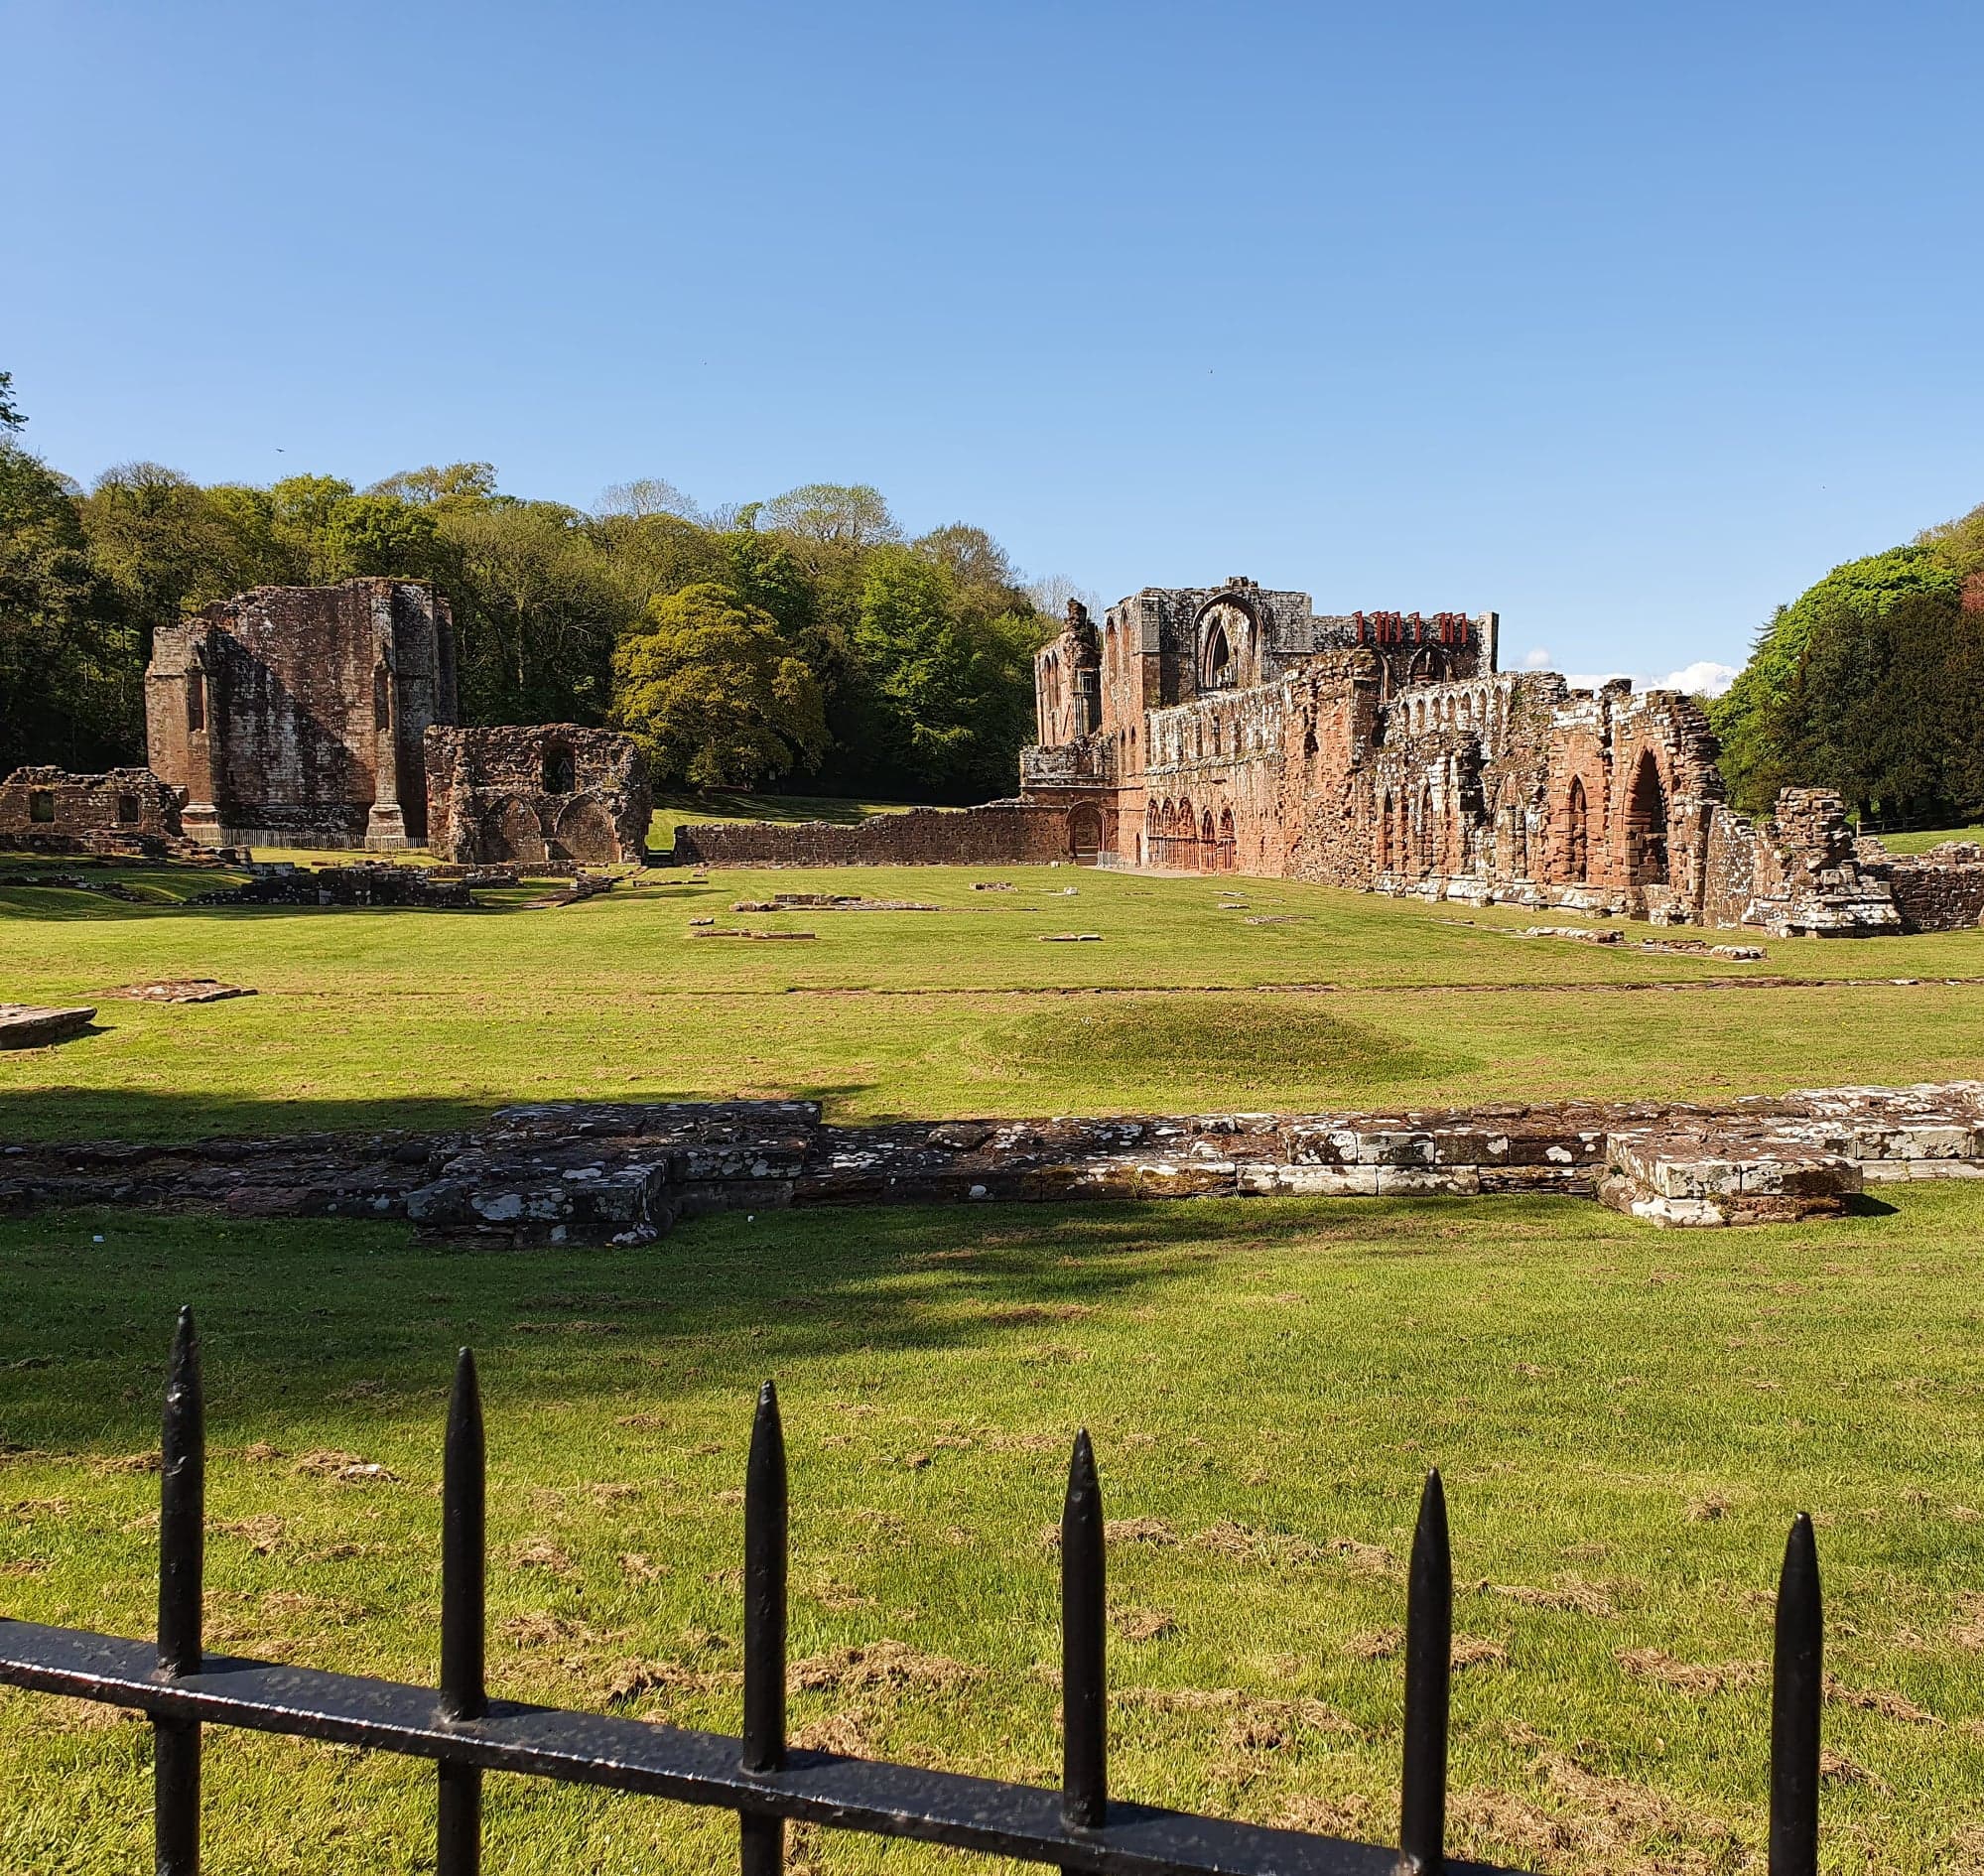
[(294, 716)]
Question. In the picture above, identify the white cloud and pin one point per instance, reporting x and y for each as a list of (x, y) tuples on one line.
[(1537, 661), (1705, 677)]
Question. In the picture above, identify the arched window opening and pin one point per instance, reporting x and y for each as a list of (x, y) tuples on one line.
[(560, 772), (1427, 852), (1577, 833), (127, 811), (1646, 824), (1217, 667), (1229, 843), (1385, 834), (1217, 737)]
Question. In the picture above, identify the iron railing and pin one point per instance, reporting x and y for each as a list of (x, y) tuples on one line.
[(1079, 1827)]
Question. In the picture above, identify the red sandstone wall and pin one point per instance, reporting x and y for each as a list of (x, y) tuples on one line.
[(291, 725), (488, 798), (124, 801), (998, 833)]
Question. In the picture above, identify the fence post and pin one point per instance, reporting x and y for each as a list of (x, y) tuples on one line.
[(762, 1838), (182, 1567), (1798, 1691), (1429, 1625), (463, 1696), (1084, 1633)]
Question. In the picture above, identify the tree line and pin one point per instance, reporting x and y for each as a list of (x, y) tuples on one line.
[(1870, 683), (804, 640)]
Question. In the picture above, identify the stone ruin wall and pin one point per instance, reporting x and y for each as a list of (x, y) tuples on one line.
[(294, 715), (998, 833), (56, 811), (547, 791), (1386, 753), (1940, 891)]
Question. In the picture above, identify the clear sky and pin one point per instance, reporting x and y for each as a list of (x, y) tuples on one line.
[(1624, 320)]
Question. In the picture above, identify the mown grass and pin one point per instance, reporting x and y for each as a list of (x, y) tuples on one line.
[(1920, 842), (366, 1018), (672, 809), (1626, 1422)]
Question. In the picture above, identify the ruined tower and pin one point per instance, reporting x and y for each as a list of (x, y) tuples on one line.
[(294, 716)]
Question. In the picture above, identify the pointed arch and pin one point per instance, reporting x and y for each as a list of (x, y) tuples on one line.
[(1646, 824), (1577, 833)]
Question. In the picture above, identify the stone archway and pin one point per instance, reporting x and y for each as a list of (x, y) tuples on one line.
[(1085, 832), (1646, 824), (586, 831), (1229, 844), (1577, 833), (511, 830)]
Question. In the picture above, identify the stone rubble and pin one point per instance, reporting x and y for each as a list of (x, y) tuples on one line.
[(28, 1026), (624, 1173)]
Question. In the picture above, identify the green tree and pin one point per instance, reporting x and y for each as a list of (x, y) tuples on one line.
[(948, 694), (1762, 720), (851, 518), (11, 418), (70, 670), (379, 534), (714, 694), (537, 610), (162, 543), (454, 485)]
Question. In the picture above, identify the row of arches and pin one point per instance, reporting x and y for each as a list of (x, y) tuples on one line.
[(1451, 710), (1412, 837), (1176, 834), (1643, 825), (1409, 836)]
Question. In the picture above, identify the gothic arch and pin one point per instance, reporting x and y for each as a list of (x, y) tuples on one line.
[(585, 832), (1646, 824), (1577, 833), (511, 831)]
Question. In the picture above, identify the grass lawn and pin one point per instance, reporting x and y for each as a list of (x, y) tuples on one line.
[(1340, 999), (1625, 1421), (1920, 842), (672, 809)]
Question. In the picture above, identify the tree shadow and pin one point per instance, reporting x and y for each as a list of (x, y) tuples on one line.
[(294, 1312)]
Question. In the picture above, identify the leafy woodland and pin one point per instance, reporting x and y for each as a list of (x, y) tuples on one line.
[(804, 639), (1870, 683)]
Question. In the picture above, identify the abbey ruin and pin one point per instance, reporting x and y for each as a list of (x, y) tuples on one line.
[(1224, 729), (327, 717), (1233, 730)]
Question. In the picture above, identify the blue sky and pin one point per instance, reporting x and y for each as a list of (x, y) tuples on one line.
[(1626, 321)]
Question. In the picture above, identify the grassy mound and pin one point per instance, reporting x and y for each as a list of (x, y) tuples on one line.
[(1148, 1049)]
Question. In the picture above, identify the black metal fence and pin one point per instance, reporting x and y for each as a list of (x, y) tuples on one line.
[(1078, 1827)]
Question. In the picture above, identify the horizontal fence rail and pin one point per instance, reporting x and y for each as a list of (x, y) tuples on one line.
[(182, 1688)]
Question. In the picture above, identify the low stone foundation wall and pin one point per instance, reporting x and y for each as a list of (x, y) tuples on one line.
[(998, 833), (578, 1173), (1935, 894)]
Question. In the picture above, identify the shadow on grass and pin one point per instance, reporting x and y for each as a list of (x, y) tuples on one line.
[(322, 1321), (61, 1115)]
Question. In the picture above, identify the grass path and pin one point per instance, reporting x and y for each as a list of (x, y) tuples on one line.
[(1625, 1421)]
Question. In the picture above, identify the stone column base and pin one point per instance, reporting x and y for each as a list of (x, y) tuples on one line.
[(385, 828), (201, 821)]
